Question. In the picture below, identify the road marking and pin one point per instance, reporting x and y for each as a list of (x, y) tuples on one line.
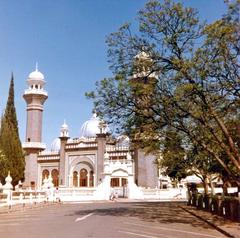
[(146, 235), (84, 217), (137, 234), (168, 229)]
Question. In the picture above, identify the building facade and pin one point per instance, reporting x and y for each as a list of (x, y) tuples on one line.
[(82, 162)]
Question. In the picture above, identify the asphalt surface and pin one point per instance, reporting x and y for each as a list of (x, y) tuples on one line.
[(106, 220)]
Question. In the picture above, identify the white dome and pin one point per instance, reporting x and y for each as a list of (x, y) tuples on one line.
[(90, 128), (56, 144), (64, 126), (36, 75)]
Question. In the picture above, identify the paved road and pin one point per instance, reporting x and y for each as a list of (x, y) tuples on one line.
[(105, 220)]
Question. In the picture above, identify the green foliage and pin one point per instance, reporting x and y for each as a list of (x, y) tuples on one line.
[(173, 156), (3, 166), (13, 159), (176, 72)]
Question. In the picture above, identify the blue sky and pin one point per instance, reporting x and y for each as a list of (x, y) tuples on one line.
[(67, 39)]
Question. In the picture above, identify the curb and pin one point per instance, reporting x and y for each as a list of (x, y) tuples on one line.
[(209, 223)]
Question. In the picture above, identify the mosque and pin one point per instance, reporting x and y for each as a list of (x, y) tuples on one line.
[(92, 159)]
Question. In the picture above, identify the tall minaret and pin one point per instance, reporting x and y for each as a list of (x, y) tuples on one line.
[(35, 97), (64, 136)]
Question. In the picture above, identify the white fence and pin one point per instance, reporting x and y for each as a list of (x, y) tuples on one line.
[(22, 198)]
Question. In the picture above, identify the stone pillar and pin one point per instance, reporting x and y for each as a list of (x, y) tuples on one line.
[(31, 169), (93, 181), (70, 182), (62, 163), (88, 180), (101, 142), (78, 181)]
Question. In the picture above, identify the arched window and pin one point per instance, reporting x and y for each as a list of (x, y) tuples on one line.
[(83, 178), (55, 174), (91, 179), (45, 173), (75, 179)]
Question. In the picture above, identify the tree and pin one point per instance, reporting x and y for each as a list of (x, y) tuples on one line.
[(9, 141), (3, 166), (196, 91), (173, 156)]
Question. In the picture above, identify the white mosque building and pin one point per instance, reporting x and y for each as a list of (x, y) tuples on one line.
[(94, 160)]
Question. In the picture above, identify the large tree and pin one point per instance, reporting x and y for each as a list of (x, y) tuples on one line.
[(10, 143), (196, 87), (173, 155)]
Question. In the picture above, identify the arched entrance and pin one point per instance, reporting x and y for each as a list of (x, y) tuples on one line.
[(118, 182), (83, 178), (82, 175)]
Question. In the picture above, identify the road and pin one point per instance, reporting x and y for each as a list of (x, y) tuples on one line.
[(105, 220)]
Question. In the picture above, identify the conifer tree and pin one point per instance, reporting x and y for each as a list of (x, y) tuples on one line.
[(10, 143), (3, 166)]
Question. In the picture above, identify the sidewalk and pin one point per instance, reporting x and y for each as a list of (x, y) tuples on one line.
[(225, 226)]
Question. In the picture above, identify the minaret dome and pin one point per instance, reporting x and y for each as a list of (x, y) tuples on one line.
[(36, 80), (64, 130)]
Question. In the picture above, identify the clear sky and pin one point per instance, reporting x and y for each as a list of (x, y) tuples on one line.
[(67, 39)]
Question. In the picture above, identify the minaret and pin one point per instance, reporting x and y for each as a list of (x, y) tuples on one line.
[(101, 145), (35, 97), (64, 136)]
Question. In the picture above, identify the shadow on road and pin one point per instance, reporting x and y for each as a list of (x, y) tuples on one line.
[(150, 212)]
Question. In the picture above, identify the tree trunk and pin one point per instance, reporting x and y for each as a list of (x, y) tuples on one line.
[(211, 185), (205, 184)]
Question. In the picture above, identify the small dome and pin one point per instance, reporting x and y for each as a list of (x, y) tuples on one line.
[(64, 130), (36, 78), (90, 128), (8, 179), (36, 75), (64, 126), (56, 144)]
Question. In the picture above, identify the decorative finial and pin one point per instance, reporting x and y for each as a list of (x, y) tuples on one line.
[(36, 66)]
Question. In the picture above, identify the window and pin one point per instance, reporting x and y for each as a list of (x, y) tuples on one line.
[(83, 178), (124, 181), (55, 178), (45, 174), (75, 179), (114, 182), (91, 179)]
